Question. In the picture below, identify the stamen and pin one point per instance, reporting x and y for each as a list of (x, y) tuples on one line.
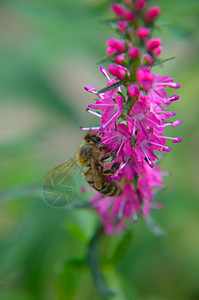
[(164, 148), (177, 123), (94, 113), (174, 140), (90, 128), (167, 113), (104, 72), (90, 89)]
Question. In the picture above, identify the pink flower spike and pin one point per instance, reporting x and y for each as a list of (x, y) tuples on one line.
[(117, 71), (152, 13), (90, 89), (117, 44), (153, 43), (133, 90), (177, 123), (104, 72), (134, 52), (142, 32)]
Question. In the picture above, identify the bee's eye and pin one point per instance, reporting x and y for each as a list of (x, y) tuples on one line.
[(95, 139)]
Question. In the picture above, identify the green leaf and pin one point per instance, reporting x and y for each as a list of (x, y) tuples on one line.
[(107, 58), (93, 263), (111, 87), (160, 61)]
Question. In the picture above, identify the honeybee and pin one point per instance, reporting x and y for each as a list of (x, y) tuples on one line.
[(91, 155)]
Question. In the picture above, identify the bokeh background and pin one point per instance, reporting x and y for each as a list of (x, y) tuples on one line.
[(48, 53)]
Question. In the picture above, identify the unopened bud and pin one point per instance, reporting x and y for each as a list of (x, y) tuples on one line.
[(142, 32), (117, 71), (122, 25), (152, 13), (133, 90), (117, 44), (134, 52), (139, 4), (120, 59), (157, 51), (153, 43)]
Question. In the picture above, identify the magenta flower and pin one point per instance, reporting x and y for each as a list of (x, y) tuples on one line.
[(118, 139), (111, 109), (155, 84), (113, 212), (141, 118), (129, 166)]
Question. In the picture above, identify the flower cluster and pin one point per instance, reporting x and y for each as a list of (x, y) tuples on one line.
[(133, 114)]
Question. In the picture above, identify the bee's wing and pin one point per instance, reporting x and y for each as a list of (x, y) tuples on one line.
[(59, 185), (68, 167)]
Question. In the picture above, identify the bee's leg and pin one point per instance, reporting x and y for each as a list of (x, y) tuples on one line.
[(112, 170), (108, 155)]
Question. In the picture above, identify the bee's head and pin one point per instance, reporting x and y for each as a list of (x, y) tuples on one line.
[(92, 138)]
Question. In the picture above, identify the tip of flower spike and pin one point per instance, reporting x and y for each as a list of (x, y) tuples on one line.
[(90, 89), (177, 123), (177, 140), (167, 149)]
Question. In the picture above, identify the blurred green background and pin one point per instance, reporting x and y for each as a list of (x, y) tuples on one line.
[(48, 53)]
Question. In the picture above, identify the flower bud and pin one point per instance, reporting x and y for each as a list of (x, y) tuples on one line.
[(122, 25), (117, 44), (145, 78), (118, 9), (129, 15), (157, 51), (133, 90), (120, 59), (139, 4), (117, 71), (134, 52), (153, 43), (152, 13), (142, 32), (111, 51), (147, 59)]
